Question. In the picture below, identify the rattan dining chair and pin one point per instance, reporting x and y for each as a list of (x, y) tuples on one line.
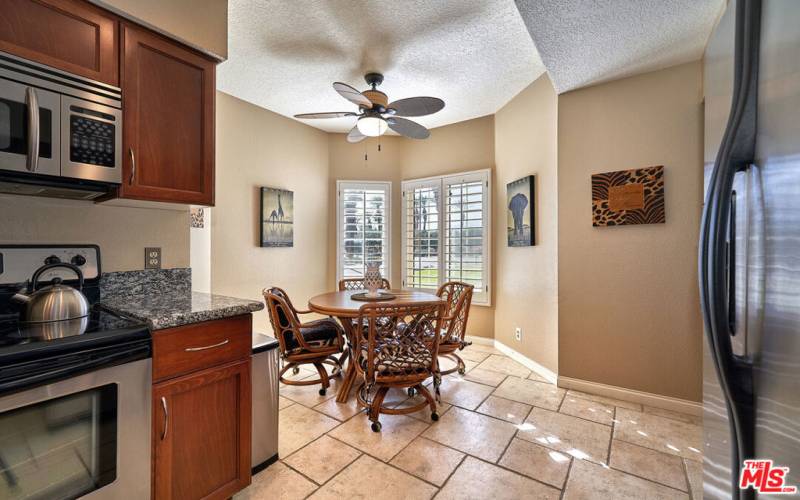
[(358, 284), (391, 349), (314, 342), (454, 324)]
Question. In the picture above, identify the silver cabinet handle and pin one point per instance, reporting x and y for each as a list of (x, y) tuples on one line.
[(166, 418), (193, 349), (133, 165), (32, 100)]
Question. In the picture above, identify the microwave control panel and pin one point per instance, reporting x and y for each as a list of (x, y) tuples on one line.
[(91, 140)]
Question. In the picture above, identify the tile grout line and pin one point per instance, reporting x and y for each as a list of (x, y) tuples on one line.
[(686, 477), (611, 437), (380, 460), (449, 476), (566, 478), (524, 476)]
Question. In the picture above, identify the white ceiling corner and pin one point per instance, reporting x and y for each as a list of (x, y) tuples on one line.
[(283, 56), (583, 42)]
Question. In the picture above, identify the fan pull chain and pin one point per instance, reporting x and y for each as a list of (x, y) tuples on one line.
[(379, 144), (365, 153)]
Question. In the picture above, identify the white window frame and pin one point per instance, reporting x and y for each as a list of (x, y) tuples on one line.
[(386, 186), (480, 297)]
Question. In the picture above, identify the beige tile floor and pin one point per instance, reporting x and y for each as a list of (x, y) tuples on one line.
[(503, 433)]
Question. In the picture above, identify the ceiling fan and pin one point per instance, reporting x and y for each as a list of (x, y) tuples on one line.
[(376, 114)]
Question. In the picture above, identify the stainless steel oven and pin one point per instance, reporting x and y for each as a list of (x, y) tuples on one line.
[(57, 126), (86, 436)]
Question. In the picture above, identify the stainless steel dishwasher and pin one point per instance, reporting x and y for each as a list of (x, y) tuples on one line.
[(265, 401)]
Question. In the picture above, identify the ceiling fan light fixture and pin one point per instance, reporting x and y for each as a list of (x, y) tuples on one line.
[(372, 126)]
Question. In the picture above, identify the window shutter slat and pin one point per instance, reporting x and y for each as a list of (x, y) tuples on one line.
[(364, 231)]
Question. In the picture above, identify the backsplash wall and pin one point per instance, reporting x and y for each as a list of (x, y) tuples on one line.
[(121, 232)]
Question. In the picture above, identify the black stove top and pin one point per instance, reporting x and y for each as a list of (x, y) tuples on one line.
[(37, 354), (99, 321)]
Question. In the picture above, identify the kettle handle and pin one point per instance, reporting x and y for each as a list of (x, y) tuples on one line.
[(47, 267)]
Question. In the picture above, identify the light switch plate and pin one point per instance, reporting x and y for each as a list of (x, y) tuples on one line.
[(152, 258)]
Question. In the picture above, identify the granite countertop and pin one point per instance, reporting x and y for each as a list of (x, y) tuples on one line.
[(167, 309)]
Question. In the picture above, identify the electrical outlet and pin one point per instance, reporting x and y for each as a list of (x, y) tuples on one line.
[(152, 258), (518, 334)]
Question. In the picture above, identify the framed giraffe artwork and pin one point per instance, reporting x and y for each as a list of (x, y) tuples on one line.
[(277, 217), (628, 197)]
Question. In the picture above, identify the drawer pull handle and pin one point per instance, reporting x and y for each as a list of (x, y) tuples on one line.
[(193, 349), (166, 418)]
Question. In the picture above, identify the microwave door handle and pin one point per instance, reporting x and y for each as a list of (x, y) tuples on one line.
[(32, 101)]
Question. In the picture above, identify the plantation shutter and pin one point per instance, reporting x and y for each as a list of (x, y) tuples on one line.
[(421, 223), (363, 227), (466, 232), (446, 231)]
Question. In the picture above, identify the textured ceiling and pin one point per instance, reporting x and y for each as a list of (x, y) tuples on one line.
[(284, 55), (582, 42)]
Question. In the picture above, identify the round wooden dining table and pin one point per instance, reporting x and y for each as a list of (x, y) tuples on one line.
[(340, 305)]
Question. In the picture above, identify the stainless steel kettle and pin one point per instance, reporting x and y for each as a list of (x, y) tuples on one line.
[(55, 302)]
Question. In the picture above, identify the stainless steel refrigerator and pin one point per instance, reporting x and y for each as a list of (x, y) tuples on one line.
[(749, 255)]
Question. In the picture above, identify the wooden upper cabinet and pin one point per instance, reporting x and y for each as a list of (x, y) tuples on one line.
[(201, 433), (168, 120), (70, 35)]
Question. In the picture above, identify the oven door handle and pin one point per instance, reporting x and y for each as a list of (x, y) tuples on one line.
[(32, 102), (166, 418)]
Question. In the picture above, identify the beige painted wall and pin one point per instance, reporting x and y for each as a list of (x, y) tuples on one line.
[(122, 232), (202, 23), (628, 301), (460, 147), (454, 148), (526, 279), (347, 164), (256, 148)]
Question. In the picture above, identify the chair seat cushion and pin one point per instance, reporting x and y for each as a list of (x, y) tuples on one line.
[(405, 357), (319, 333)]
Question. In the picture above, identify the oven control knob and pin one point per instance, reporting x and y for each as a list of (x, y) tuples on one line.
[(78, 260), (52, 260)]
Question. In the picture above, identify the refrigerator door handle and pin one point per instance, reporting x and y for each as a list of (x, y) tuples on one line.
[(735, 152)]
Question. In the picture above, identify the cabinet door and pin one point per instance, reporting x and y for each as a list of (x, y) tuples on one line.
[(70, 35), (168, 120), (201, 433)]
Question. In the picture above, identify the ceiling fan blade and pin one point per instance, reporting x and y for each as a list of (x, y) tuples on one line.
[(332, 114), (408, 128), (417, 106), (355, 136), (352, 94)]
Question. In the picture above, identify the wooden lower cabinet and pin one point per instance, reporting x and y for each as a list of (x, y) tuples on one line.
[(202, 433)]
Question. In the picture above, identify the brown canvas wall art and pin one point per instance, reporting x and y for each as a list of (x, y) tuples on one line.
[(628, 197)]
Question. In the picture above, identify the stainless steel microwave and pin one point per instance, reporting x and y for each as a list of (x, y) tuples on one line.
[(57, 131)]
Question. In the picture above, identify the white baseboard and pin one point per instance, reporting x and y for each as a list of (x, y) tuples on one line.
[(479, 340), (526, 362), (632, 395)]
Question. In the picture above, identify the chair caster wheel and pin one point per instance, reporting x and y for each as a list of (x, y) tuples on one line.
[(434, 416), (412, 392), (295, 370), (322, 392), (376, 426), (462, 370)]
